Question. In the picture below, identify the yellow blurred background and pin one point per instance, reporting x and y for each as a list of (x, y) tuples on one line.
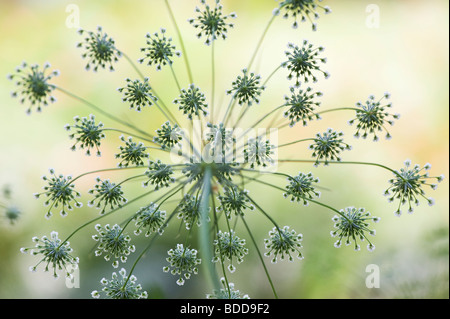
[(404, 52)]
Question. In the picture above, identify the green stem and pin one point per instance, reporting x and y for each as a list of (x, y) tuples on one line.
[(104, 170), (227, 287), (141, 75), (260, 257), (241, 116), (263, 172), (204, 230), (295, 142), (131, 134), (268, 114), (180, 38), (169, 116), (175, 77), (260, 120), (262, 211), (260, 41), (229, 109), (213, 79), (100, 110), (271, 74), (338, 109), (329, 207), (339, 162), (139, 258)]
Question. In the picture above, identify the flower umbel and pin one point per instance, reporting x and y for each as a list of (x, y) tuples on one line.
[(55, 253), (88, 134), (328, 146), (302, 62), (192, 102), (212, 23), (113, 243), (234, 200), (305, 9), (226, 292), (151, 218), (372, 117), (100, 50), (301, 188), (34, 85), (183, 262), (138, 94), (229, 246), (168, 136), (121, 287), (407, 186), (159, 174), (132, 153), (189, 211), (246, 88), (107, 193), (282, 243), (12, 214), (301, 106), (159, 50), (60, 191), (352, 224), (258, 152)]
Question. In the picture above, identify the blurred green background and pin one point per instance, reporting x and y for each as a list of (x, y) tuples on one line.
[(406, 55)]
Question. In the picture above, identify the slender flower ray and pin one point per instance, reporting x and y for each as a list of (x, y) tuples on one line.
[(260, 120), (261, 40), (180, 38), (338, 162), (149, 139), (100, 110), (295, 142), (213, 79), (260, 257)]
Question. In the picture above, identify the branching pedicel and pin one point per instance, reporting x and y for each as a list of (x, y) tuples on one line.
[(210, 169)]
